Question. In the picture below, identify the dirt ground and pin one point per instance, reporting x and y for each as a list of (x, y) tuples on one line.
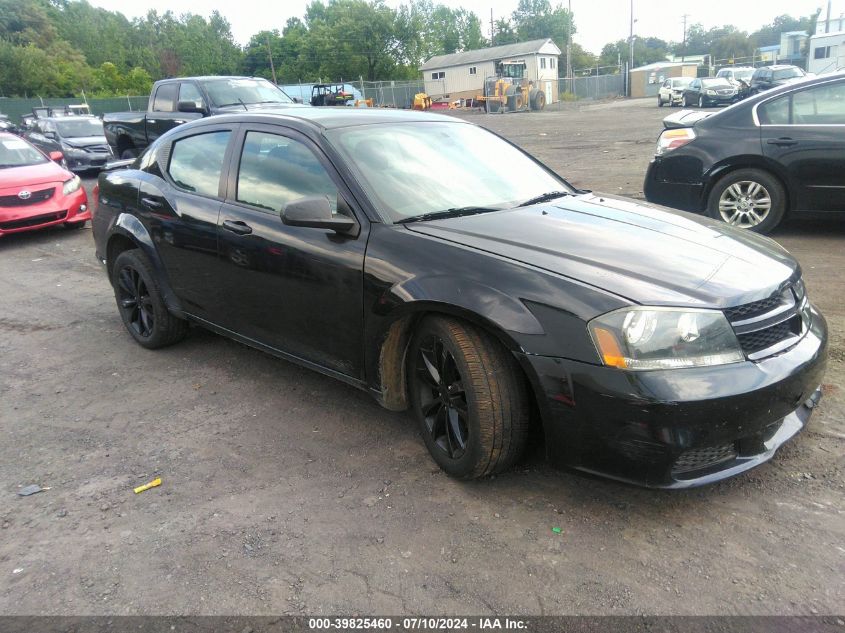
[(287, 492)]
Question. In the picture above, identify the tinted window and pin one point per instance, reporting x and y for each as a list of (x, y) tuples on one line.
[(824, 105), (189, 92), (196, 162), (165, 98), (276, 170)]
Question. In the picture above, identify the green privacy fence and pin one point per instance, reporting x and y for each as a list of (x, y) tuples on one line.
[(16, 108)]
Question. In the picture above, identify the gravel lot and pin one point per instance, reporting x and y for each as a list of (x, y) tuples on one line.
[(287, 492)]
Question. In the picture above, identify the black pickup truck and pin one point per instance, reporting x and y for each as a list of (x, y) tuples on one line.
[(177, 101)]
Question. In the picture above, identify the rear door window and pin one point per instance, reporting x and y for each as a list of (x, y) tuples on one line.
[(196, 162), (822, 105)]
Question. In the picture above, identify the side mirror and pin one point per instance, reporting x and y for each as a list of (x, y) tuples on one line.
[(296, 99), (56, 157), (191, 106), (316, 212), (51, 135)]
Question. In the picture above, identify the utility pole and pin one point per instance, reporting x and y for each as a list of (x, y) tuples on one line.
[(684, 45), (569, 48), (631, 44), (492, 29), (272, 67), (827, 23)]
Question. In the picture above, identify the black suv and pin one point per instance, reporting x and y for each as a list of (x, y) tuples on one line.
[(768, 77)]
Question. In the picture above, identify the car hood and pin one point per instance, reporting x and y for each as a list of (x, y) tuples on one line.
[(30, 175), (644, 253), (84, 141)]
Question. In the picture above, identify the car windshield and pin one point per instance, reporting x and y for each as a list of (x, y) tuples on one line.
[(681, 82), (744, 75), (787, 73), (411, 169), (716, 82), (226, 92), (70, 128), (15, 152)]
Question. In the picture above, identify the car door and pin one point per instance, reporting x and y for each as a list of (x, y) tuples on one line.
[(804, 132), (179, 199), (164, 115), (692, 91), (295, 289)]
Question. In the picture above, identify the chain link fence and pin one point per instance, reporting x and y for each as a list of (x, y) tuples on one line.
[(392, 94), (17, 108)]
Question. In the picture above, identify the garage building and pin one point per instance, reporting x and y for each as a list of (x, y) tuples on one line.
[(461, 75)]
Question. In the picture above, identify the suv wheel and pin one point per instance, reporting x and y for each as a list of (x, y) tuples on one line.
[(469, 398), (748, 199), (140, 304)]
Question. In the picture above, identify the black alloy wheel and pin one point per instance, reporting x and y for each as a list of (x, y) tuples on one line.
[(134, 301), (469, 396), (442, 397), (140, 303)]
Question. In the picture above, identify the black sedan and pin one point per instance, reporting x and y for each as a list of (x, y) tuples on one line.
[(776, 154), (486, 295), (80, 138), (710, 91)]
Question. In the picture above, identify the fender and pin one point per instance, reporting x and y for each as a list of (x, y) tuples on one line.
[(133, 229), (397, 309)]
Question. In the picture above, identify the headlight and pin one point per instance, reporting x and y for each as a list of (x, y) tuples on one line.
[(643, 338), (711, 92), (67, 150), (673, 139), (71, 185)]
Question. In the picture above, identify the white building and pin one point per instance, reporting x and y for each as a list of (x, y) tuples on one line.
[(826, 52), (461, 75)]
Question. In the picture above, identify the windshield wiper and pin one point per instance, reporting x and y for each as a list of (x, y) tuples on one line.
[(239, 102), (455, 212), (551, 195)]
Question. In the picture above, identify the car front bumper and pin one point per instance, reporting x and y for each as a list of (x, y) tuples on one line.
[(59, 209), (85, 161), (677, 428)]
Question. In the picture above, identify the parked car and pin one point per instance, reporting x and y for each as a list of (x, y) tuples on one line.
[(776, 154), (768, 77), (672, 91), (655, 347), (36, 191), (79, 138), (740, 77), (7, 126), (176, 101), (708, 91)]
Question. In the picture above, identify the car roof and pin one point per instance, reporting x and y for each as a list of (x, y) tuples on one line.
[(208, 78), (70, 117), (336, 117)]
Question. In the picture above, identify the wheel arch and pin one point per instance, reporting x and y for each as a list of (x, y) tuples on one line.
[(750, 161), (128, 233), (395, 341)]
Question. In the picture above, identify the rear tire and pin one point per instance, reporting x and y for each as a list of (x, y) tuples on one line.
[(140, 303), (538, 100), (725, 202), (469, 397)]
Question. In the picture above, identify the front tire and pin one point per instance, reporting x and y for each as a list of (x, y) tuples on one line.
[(469, 398), (748, 199), (701, 102), (685, 101), (140, 303), (659, 101)]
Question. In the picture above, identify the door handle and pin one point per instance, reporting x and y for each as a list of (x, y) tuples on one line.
[(782, 142), (237, 227), (152, 203), (151, 120)]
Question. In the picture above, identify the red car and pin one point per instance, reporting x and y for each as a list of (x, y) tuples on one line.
[(35, 191)]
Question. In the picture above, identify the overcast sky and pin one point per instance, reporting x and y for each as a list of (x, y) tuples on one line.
[(597, 21)]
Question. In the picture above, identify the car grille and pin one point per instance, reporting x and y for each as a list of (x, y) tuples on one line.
[(770, 325), (97, 149), (725, 91), (37, 196), (700, 458), (33, 221)]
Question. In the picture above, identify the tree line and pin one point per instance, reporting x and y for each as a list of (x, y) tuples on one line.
[(53, 48)]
